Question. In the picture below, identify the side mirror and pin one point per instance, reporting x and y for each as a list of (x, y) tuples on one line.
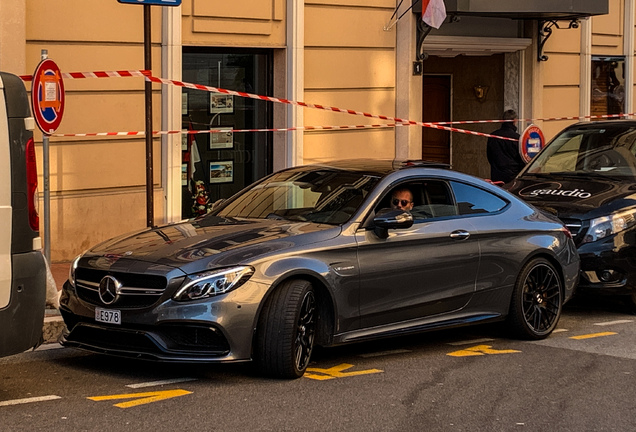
[(387, 219)]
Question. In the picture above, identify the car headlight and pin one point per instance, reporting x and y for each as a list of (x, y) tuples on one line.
[(72, 269), (212, 283), (607, 225)]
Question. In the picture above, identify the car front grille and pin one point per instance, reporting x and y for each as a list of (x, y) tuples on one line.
[(576, 227), (137, 290), (164, 342)]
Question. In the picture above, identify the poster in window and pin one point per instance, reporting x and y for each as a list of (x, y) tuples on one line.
[(184, 140), (184, 103), (222, 139), (221, 171), (221, 103), (184, 174)]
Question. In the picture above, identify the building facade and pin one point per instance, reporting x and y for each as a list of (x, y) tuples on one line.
[(358, 55)]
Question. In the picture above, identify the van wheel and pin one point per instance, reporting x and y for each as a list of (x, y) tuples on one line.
[(537, 301), (286, 330)]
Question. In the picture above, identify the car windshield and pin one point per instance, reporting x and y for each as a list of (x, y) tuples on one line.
[(606, 150), (316, 194)]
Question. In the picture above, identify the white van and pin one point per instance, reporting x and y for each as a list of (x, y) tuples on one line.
[(22, 266)]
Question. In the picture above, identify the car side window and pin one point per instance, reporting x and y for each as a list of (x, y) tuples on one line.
[(432, 199), (472, 200)]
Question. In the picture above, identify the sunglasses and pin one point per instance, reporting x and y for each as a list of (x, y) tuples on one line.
[(403, 203)]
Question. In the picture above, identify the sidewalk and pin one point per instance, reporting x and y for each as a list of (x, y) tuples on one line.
[(53, 324)]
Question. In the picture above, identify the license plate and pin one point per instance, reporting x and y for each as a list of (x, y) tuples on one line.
[(108, 316)]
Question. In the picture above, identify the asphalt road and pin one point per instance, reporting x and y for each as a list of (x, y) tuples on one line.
[(582, 378)]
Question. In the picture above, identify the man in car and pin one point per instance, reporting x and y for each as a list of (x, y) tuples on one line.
[(402, 199), (503, 155)]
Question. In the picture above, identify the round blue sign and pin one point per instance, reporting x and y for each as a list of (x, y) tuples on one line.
[(531, 142)]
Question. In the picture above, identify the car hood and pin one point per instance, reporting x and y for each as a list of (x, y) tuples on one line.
[(210, 242), (581, 198)]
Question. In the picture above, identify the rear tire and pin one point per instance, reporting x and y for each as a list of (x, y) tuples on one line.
[(286, 330), (537, 301)]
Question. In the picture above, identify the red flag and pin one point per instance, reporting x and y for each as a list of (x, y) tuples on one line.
[(433, 12)]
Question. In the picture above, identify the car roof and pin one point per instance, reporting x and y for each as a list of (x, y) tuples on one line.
[(622, 123), (379, 167)]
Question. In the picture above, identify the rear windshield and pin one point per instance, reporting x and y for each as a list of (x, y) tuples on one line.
[(608, 150)]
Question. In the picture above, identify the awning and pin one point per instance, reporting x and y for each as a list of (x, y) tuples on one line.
[(523, 9)]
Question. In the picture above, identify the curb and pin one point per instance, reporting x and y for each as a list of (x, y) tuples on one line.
[(53, 326)]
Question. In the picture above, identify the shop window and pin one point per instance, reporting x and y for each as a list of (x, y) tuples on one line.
[(219, 164), (608, 86)]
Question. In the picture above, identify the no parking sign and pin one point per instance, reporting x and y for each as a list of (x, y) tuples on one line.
[(531, 142), (47, 96)]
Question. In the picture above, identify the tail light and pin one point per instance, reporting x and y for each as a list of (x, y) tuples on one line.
[(567, 232), (32, 186)]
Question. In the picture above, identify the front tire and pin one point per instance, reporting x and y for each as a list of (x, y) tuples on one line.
[(286, 330), (537, 300)]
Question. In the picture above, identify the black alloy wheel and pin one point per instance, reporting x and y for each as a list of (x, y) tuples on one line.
[(305, 331), (537, 300)]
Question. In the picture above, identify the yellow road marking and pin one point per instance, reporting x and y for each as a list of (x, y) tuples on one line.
[(337, 372), (480, 350), (593, 335), (142, 398)]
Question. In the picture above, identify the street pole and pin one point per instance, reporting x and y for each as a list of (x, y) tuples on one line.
[(148, 104), (44, 54)]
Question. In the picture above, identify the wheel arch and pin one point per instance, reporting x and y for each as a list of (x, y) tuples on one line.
[(549, 256), (325, 301)]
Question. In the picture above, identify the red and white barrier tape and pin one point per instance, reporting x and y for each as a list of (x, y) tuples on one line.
[(536, 120), (98, 74), (397, 121), (194, 132), (315, 106)]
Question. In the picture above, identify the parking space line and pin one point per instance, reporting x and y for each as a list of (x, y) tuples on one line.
[(29, 400), (321, 374), (592, 335), (158, 383), (385, 353), (560, 330), (480, 350), (471, 341), (141, 398), (613, 322)]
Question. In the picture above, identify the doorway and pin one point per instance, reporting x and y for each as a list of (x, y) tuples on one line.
[(216, 165), (436, 107)]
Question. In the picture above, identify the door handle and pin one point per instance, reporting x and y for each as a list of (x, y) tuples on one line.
[(459, 235)]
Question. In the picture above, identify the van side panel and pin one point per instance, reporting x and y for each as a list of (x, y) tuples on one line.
[(18, 108), (21, 232), (22, 269), (21, 322), (5, 205)]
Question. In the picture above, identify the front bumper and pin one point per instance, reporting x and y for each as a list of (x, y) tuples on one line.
[(217, 329), (608, 266)]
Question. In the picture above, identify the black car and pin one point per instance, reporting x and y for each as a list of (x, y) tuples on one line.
[(320, 255), (587, 177)]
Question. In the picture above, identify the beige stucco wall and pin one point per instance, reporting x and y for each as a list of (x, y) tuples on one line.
[(350, 64), (607, 30), (560, 76), (12, 36), (97, 184), (238, 23)]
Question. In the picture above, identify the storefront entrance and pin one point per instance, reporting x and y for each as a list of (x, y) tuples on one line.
[(217, 165)]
